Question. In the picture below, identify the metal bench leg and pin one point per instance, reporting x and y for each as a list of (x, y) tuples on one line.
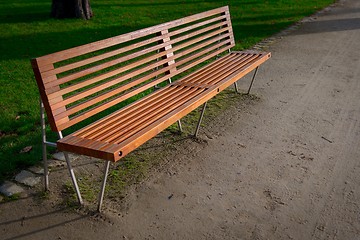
[(44, 150), (73, 178), (200, 119), (103, 184), (179, 125), (179, 122), (236, 87), (72, 174), (252, 80)]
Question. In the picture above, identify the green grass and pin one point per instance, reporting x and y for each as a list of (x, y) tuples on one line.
[(26, 31)]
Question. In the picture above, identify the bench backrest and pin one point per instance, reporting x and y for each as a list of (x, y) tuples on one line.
[(80, 82)]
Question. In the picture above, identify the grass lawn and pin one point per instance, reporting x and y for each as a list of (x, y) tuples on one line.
[(26, 31)]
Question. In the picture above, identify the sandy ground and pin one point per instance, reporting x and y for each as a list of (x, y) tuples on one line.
[(285, 167)]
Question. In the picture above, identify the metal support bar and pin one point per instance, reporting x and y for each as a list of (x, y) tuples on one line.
[(72, 174), (103, 184), (179, 125), (51, 144), (200, 119), (73, 178), (252, 80), (179, 122), (236, 87), (44, 150)]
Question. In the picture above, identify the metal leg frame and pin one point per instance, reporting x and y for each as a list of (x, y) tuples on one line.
[(236, 87), (200, 119), (252, 80), (179, 122), (44, 150), (73, 179), (179, 125), (103, 184), (72, 174), (71, 171), (45, 143)]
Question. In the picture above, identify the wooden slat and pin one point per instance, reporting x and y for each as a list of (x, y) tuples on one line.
[(99, 45), (102, 56), (223, 71), (114, 116), (184, 98), (140, 89), (118, 80), (108, 94), (108, 64), (144, 114), (50, 72), (209, 69), (106, 128), (133, 55)]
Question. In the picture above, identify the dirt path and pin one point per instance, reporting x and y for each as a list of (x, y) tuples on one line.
[(286, 167)]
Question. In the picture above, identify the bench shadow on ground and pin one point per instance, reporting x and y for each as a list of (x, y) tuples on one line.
[(44, 221)]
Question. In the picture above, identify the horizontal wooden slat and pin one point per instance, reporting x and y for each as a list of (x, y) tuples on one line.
[(135, 124), (134, 113), (134, 55), (103, 56), (113, 92), (99, 45)]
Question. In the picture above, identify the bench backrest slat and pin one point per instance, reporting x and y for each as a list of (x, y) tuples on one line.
[(80, 82)]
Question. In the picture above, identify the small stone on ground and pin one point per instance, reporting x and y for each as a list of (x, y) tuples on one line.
[(10, 188), (60, 156), (55, 163), (27, 178), (36, 170)]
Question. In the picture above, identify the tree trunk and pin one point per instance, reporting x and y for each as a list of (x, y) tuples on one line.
[(71, 9)]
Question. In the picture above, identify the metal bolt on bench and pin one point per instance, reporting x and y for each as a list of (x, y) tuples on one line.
[(82, 82)]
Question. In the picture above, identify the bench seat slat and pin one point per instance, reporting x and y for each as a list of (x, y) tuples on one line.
[(94, 129), (165, 109), (113, 129), (225, 70), (136, 133)]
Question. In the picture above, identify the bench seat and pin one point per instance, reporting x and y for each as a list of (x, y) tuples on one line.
[(117, 134)]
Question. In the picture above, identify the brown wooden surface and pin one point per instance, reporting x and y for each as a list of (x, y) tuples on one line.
[(78, 83), (128, 128)]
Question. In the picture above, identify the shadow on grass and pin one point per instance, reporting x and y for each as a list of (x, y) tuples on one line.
[(38, 44)]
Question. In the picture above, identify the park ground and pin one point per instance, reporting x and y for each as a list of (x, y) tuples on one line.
[(284, 165)]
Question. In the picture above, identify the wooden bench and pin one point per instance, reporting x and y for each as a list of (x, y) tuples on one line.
[(81, 82)]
